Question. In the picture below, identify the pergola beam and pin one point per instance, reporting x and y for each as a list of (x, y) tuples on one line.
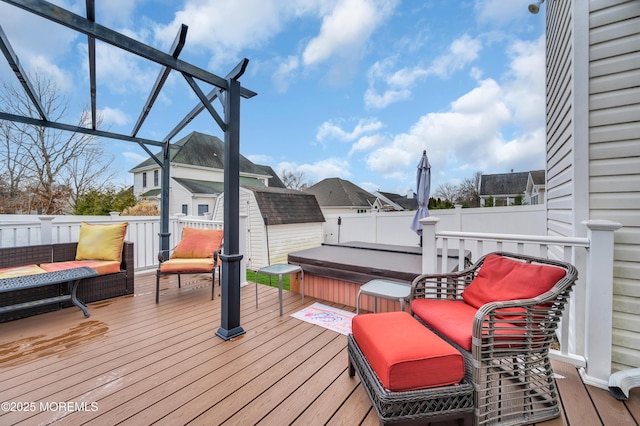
[(14, 63), (77, 129), (234, 74), (176, 48), (78, 23), (91, 44)]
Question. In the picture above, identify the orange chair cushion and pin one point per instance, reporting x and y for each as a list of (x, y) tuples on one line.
[(404, 354), (187, 265), (453, 319), (500, 279), (102, 267), (101, 242), (20, 271), (198, 243)]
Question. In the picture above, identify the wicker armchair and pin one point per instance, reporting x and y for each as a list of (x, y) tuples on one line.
[(505, 342)]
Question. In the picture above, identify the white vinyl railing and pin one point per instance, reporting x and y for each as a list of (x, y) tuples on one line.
[(585, 330)]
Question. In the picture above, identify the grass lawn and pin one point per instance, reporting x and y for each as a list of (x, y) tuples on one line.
[(269, 280)]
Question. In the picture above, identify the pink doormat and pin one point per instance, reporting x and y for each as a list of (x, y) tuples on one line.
[(327, 317)]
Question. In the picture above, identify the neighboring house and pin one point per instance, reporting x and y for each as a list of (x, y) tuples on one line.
[(337, 195), (397, 201), (504, 188), (593, 145), (536, 187), (197, 175), (279, 221)]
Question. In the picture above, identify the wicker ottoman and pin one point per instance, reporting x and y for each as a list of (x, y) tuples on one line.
[(423, 388)]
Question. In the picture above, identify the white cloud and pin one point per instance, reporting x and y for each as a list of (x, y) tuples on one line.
[(134, 157), (499, 12), (315, 172), (225, 28), (367, 143), (346, 29), (284, 73), (330, 130), (398, 84), (473, 135), (113, 116)]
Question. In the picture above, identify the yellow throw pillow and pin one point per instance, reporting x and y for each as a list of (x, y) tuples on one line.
[(198, 243), (101, 242)]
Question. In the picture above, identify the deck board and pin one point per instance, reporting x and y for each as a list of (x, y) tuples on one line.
[(144, 363)]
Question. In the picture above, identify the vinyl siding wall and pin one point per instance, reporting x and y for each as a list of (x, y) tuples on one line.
[(593, 141), (614, 157)]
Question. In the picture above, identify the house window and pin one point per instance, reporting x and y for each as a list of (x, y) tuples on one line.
[(185, 209), (144, 179), (203, 209), (155, 178)]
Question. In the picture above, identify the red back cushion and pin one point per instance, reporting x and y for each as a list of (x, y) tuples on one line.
[(198, 243), (501, 279)]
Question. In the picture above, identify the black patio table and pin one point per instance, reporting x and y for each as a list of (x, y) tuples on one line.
[(70, 276)]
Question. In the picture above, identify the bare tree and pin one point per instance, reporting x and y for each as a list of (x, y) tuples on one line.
[(294, 180), (447, 191), (469, 191), (55, 164)]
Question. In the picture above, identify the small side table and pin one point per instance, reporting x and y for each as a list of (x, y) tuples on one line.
[(280, 269), (391, 290)]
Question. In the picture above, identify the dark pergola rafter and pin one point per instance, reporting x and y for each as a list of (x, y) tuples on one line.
[(14, 63), (228, 90), (91, 47)]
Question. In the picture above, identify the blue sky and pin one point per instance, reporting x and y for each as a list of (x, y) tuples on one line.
[(355, 89)]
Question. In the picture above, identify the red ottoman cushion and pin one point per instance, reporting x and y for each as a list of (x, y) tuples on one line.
[(404, 354)]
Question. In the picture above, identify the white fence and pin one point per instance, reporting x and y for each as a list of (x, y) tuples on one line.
[(25, 230), (393, 227)]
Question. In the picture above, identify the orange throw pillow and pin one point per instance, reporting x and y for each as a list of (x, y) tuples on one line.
[(198, 243), (501, 279)]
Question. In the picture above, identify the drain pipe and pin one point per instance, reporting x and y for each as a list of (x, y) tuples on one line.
[(622, 381)]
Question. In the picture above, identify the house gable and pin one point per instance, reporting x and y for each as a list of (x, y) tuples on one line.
[(336, 192)]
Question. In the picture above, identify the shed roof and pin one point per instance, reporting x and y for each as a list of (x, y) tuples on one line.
[(336, 192), (282, 205)]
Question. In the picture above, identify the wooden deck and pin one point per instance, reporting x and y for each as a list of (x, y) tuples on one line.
[(135, 362)]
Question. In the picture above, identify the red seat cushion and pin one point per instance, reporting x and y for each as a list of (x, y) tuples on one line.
[(500, 279), (404, 354), (180, 265), (102, 267), (453, 319)]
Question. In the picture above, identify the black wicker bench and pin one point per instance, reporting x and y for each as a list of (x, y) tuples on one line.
[(70, 276)]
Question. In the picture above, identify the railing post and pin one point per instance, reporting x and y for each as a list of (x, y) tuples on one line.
[(458, 217), (242, 242), (46, 229), (429, 244), (599, 302)]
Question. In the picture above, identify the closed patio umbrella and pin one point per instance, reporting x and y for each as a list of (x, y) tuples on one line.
[(423, 183)]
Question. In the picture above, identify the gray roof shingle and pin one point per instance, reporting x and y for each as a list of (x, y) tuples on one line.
[(504, 184), (283, 205), (336, 192)]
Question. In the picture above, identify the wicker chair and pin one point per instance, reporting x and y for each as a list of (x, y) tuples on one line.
[(198, 252), (505, 342)]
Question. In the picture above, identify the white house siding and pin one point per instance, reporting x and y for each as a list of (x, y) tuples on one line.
[(284, 239), (614, 157), (593, 142)]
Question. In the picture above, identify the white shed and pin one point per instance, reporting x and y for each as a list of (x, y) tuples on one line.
[(279, 221)]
